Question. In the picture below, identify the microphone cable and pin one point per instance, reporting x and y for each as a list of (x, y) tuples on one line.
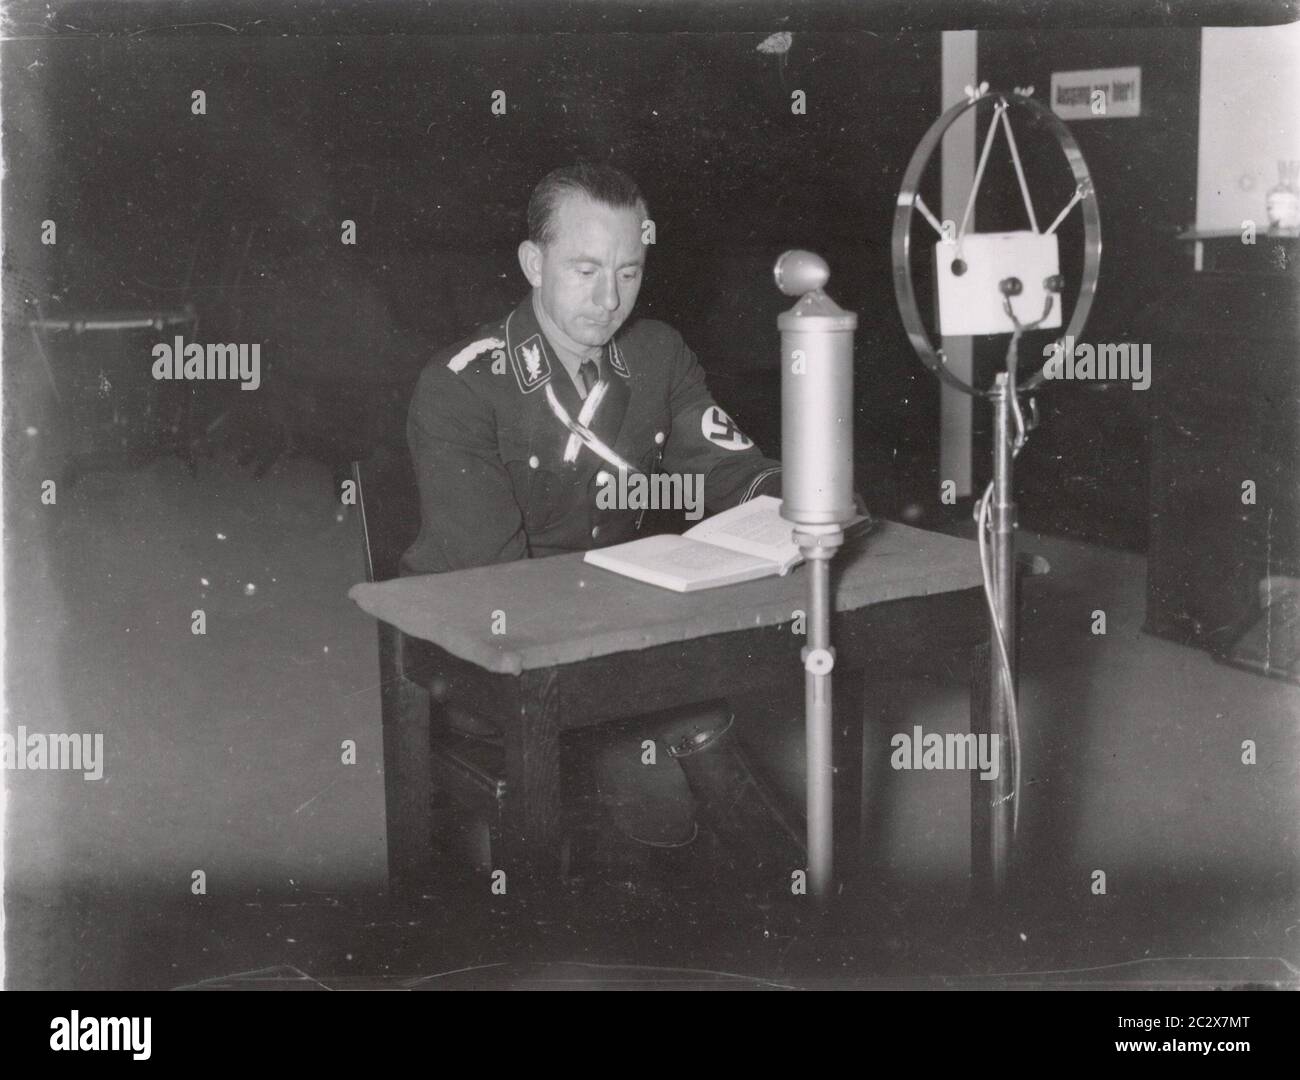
[(984, 530)]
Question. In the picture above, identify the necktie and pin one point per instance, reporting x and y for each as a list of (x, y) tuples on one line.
[(589, 374)]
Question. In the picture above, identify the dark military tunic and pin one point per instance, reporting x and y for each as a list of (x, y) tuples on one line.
[(489, 448)]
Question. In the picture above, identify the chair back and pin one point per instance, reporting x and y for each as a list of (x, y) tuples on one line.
[(389, 500)]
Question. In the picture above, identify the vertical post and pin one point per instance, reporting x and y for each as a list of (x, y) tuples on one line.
[(819, 548), (1003, 513), (981, 796), (957, 152)]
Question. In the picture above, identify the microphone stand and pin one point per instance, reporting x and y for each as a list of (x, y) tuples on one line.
[(997, 512), (818, 545), (817, 499)]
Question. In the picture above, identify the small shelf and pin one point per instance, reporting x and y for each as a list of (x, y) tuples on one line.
[(1274, 253), (1235, 234)]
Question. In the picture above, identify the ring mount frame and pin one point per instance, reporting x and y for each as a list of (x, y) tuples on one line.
[(905, 209)]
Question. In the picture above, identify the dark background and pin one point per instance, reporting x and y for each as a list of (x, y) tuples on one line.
[(238, 211)]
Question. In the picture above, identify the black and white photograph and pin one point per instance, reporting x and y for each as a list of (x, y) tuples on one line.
[(662, 495)]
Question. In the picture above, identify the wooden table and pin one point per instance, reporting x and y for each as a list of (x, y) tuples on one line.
[(552, 644)]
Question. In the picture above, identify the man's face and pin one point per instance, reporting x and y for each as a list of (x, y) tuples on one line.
[(588, 277)]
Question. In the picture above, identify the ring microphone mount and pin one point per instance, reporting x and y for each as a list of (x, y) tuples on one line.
[(997, 283), (970, 266)]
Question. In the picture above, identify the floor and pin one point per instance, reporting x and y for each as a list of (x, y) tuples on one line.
[(237, 835)]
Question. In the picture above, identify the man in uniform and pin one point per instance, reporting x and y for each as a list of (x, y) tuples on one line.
[(515, 431)]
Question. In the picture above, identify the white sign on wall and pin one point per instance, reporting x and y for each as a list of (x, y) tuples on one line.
[(1249, 121), (1101, 94)]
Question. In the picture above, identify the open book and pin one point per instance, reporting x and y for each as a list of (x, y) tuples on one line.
[(748, 541)]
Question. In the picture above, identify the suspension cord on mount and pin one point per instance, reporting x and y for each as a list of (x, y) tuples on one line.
[(983, 517), (985, 524)]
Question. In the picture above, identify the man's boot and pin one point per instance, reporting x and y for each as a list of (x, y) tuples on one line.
[(754, 831), (648, 814), (648, 804)]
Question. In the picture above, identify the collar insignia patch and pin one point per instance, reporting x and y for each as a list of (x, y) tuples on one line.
[(616, 360), (532, 365)]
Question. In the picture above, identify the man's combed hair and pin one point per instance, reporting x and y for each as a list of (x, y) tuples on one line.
[(600, 183)]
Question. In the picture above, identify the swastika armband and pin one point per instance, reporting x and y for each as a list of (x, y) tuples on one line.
[(721, 430)]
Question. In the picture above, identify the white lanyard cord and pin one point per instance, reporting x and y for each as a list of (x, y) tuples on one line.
[(580, 430), (594, 397)]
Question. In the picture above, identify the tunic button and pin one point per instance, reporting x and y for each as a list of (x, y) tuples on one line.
[(533, 462), (659, 438), (603, 478), (595, 532)]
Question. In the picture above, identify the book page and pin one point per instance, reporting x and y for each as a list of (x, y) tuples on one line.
[(753, 528), (679, 563)]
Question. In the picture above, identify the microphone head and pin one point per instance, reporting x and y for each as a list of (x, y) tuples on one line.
[(798, 273)]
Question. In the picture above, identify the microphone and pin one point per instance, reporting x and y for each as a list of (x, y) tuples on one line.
[(817, 498), (816, 396)]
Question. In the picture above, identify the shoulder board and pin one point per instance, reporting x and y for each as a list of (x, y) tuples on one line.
[(472, 351)]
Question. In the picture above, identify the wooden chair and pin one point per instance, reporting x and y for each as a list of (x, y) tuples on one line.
[(443, 792)]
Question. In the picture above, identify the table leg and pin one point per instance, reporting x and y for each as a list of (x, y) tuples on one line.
[(408, 787), (532, 802)]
